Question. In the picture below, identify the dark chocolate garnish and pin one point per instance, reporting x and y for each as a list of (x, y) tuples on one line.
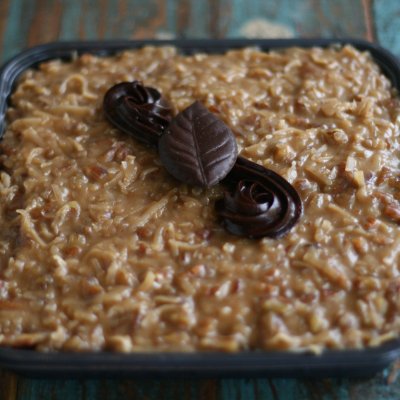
[(198, 148), (259, 202), (138, 110)]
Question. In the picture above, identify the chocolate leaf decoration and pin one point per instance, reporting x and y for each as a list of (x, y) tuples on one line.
[(260, 202), (137, 110), (198, 148)]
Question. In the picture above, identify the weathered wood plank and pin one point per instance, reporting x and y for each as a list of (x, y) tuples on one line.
[(4, 12), (225, 389), (8, 386), (386, 16), (149, 21), (71, 16), (310, 18), (17, 25), (368, 18), (45, 22), (30, 22), (91, 19)]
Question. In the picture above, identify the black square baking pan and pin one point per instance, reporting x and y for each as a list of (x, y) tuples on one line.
[(332, 363)]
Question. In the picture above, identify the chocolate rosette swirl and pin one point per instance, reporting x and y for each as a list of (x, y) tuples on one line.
[(259, 202), (138, 110)]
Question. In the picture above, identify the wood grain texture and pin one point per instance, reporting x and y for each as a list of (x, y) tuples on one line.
[(312, 18), (26, 23), (369, 22), (8, 386), (4, 12), (225, 389)]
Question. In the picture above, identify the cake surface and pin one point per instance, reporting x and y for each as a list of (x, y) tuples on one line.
[(101, 248)]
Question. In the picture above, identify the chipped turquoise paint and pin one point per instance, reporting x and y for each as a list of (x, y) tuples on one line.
[(12, 29), (324, 18), (229, 389), (90, 25), (136, 14), (284, 13), (302, 18), (71, 17), (111, 20), (387, 25), (17, 27), (171, 11), (107, 28), (197, 26)]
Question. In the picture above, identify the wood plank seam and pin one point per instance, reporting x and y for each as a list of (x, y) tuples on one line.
[(8, 386), (369, 23)]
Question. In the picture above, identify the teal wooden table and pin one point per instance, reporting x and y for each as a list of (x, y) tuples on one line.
[(25, 23)]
